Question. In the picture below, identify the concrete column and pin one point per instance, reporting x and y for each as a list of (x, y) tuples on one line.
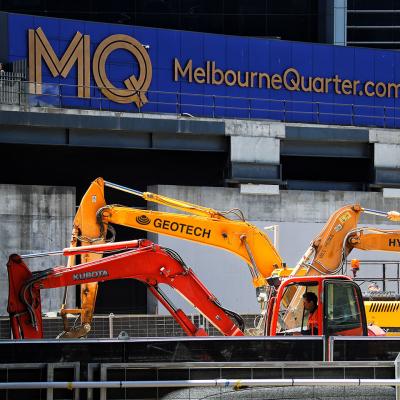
[(255, 151), (386, 157), (35, 219), (334, 12)]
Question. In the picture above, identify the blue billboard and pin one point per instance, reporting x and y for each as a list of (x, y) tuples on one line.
[(136, 69)]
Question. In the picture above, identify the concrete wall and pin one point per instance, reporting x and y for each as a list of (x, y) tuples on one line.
[(35, 219), (300, 215)]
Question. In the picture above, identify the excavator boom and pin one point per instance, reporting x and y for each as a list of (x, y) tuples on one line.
[(85, 231), (239, 237), (200, 225)]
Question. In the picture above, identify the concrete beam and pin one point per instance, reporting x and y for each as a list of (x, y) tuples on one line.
[(83, 119), (391, 193), (267, 190), (254, 128), (388, 136), (387, 155)]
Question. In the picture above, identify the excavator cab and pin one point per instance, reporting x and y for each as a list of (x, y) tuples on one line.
[(340, 310)]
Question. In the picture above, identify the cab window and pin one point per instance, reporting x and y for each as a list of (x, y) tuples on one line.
[(343, 314), (292, 318)]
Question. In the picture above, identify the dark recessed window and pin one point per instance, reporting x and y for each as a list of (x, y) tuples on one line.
[(290, 20), (372, 23)]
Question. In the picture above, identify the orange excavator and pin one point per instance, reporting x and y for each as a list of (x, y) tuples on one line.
[(140, 259), (223, 229), (329, 250), (227, 230)]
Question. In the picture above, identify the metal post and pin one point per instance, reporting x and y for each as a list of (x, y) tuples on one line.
[(384, 116), (275, 229), (201, 321), (398, 283), (50, 378), (91, 367), (284, 110), (111, 325), (397, 374), (384, 277), (213, 98)]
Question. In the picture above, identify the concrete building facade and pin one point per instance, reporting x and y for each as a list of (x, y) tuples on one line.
[(39, 218)]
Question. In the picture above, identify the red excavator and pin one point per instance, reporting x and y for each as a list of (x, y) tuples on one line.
[(139, 259)]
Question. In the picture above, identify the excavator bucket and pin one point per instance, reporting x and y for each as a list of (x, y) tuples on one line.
[(24, 306)]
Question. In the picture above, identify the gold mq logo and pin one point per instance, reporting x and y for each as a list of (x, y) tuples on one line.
[(78, 52), (136, 88)]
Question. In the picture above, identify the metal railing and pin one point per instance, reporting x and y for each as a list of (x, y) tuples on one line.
[(13, 90), (111, 326), (302, 380), (385, 274)]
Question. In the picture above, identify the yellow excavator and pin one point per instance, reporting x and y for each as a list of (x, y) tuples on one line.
[(223, 229)]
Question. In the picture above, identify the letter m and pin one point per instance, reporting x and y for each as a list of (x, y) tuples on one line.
[(78, 51)]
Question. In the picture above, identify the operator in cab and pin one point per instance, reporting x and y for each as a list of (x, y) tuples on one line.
[(310, 302)]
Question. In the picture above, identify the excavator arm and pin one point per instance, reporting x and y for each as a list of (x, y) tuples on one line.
[(141, 260), (85, 231), (340, 235), (329, 249), (375, 239), (199, 224)]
